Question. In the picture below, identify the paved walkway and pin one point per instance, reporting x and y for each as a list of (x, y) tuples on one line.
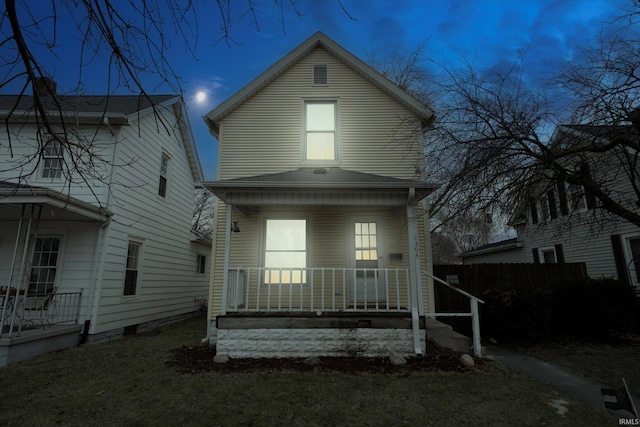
[(576, 386)]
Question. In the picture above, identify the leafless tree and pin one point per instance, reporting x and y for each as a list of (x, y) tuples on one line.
[(129, 39), (497, 141), (406, 68), (203, 213)]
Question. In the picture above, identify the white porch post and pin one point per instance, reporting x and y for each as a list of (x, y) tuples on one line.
[(414, 254), (414, 271), (227, 257)]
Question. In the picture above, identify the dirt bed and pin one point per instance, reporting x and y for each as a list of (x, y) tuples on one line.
[(200, 359)]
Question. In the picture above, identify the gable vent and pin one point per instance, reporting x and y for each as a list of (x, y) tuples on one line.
[(320, 75)]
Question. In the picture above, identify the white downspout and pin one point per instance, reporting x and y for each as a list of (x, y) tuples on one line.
[(414, 264)]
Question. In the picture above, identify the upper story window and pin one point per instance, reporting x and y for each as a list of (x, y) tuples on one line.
[(52, 160), (577, 198), (164, 176), (320, 139)]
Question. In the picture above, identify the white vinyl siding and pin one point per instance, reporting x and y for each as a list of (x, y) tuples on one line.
[(168, 285), (49, 173), (263, 135), (266, 134)]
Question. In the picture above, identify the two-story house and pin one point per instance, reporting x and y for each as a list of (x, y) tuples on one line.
[(559, 222), (102, 253), (321, 235)]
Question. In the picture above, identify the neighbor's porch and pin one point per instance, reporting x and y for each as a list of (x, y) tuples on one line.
[(39, 310)]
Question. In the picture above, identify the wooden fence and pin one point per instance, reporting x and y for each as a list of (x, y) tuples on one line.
[(476, 278)]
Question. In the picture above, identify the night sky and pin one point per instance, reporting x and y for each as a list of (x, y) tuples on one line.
[(482, 31)]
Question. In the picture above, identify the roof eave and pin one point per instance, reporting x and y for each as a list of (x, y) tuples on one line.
[(54, 198)]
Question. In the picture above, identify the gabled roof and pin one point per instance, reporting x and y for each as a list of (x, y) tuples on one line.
[(503, 245), (112, 106), (119, 109), (319, 39)]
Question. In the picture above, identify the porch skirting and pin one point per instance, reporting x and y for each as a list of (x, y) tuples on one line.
[(277, 342)]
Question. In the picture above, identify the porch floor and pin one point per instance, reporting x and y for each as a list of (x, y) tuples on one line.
[(35, 341)]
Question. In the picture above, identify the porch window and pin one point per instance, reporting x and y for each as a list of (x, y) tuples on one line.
[(52, 160), (44, 264), (164, 175), (131, 269), (285, 251), (320, 130)]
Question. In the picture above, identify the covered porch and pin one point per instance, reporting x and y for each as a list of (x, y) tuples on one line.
[(354, 264), (39, 312)]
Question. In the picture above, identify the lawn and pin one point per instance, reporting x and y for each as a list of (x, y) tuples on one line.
[(127, 382), (607, 363)]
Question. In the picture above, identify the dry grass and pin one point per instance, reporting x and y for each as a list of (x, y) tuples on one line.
[(127, 383), (607, 363)]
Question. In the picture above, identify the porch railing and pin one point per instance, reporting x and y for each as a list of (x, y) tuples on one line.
[(320, 290), (21, 312), (474, 312)]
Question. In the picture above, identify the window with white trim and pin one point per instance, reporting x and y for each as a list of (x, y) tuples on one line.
[(132, 268), (285, 251), (44, 264), (201, 264), (320, 135), (548, 255), (164, 175), (52, 160), (576, 196)]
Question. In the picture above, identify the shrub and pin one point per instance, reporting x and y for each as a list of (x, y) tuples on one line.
[(516, 316), (594, 309)]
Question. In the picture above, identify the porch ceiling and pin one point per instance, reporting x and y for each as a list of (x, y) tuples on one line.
[(55, 206), (319, 186)]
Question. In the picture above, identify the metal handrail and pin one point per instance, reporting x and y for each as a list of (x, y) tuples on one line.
[(475, 313)]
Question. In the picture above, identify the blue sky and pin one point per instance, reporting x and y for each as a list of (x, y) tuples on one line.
[(482, 31)]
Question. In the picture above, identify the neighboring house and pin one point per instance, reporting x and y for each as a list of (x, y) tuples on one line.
[(319, 242), (109, 256), (564, 223)]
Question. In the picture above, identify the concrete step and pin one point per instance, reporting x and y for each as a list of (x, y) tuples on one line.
[(443, 336)]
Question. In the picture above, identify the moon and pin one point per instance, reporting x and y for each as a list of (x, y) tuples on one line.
[(201, 96)]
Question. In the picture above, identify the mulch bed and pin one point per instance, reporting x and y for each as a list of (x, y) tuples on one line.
[(200, 359)]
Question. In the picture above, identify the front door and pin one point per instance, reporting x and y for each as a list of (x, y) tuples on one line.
[(367, 257)]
